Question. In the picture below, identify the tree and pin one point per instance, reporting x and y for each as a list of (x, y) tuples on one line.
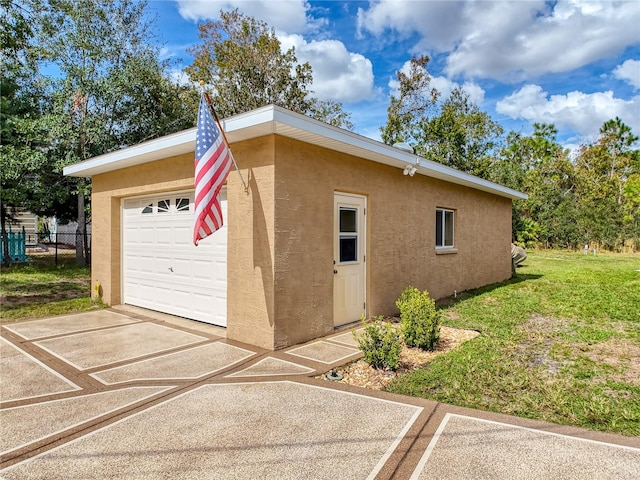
[(461, 136), (540, 167), (604, 169), (631, 208), (21, 155), (550, 183), (414, 101), (454, 132), (330, 112), (15, 32), (21, 150), (110, 91), (509, 170), (242, 60), (594, 198)]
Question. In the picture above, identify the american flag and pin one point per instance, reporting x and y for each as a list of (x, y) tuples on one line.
[(213, 162)]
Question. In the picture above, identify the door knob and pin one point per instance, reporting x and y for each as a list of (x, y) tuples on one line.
[(335, 271)]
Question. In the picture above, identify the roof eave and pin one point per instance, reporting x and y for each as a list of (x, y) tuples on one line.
[(276, 120), (163, 147)]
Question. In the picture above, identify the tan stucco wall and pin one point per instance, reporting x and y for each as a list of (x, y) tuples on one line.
[(400, 236), (250, 260), (280, 235)]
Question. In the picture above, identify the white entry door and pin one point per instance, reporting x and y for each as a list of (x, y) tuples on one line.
[(349, 258), (161, 268)]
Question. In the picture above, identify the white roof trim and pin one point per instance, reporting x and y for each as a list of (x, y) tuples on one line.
[(276, 120)]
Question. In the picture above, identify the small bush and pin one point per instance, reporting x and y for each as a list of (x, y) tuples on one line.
[(380, 344), (419, 319)]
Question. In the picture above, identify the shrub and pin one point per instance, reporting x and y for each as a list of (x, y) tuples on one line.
[(419, 319), (380, 344)]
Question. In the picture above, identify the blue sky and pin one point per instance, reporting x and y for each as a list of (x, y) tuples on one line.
[(572, 63)]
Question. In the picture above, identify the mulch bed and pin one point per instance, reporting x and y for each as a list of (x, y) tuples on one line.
[(360, 374)]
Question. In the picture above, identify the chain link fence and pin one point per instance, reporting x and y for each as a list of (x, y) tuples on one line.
[(57, 248)]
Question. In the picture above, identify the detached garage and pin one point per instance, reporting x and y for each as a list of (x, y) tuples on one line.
[(332, 226)]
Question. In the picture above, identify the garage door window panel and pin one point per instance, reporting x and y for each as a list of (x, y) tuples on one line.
[(164, 206), (182, 205)]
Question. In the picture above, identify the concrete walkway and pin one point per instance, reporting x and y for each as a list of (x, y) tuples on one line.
[(129, 394)]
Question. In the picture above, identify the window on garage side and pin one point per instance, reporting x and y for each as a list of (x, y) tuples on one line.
[(444, 228), (148, 208)]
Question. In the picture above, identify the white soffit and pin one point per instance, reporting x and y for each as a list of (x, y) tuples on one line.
[(276, 120)]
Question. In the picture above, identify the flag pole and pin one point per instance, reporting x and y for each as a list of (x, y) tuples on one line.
[(215, 115)]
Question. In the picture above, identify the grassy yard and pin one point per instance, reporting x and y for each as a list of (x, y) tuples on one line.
[(561, 343), (41, 289)]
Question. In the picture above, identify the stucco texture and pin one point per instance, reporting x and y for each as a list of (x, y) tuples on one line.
[(280, 235), (400, 237), (251, 245)]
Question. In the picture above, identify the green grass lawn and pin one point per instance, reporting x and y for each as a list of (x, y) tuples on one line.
[(561, 343), (40, 289)]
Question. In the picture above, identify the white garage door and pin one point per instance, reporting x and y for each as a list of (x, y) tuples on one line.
[(161, 268)]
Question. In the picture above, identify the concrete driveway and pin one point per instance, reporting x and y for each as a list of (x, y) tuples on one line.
[(129, 394)]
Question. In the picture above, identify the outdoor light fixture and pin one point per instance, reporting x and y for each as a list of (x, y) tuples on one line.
[(410, 170)]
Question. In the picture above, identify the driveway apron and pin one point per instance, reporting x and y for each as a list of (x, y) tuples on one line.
[(125, 393)]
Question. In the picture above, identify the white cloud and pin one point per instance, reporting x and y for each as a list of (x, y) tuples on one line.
[(581, 112), (432, 20), (507, 40), (283, 15), (338, 74), (629, 72)]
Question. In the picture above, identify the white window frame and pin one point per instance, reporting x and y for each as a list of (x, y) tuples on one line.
[(441, 217), (355, 235)]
